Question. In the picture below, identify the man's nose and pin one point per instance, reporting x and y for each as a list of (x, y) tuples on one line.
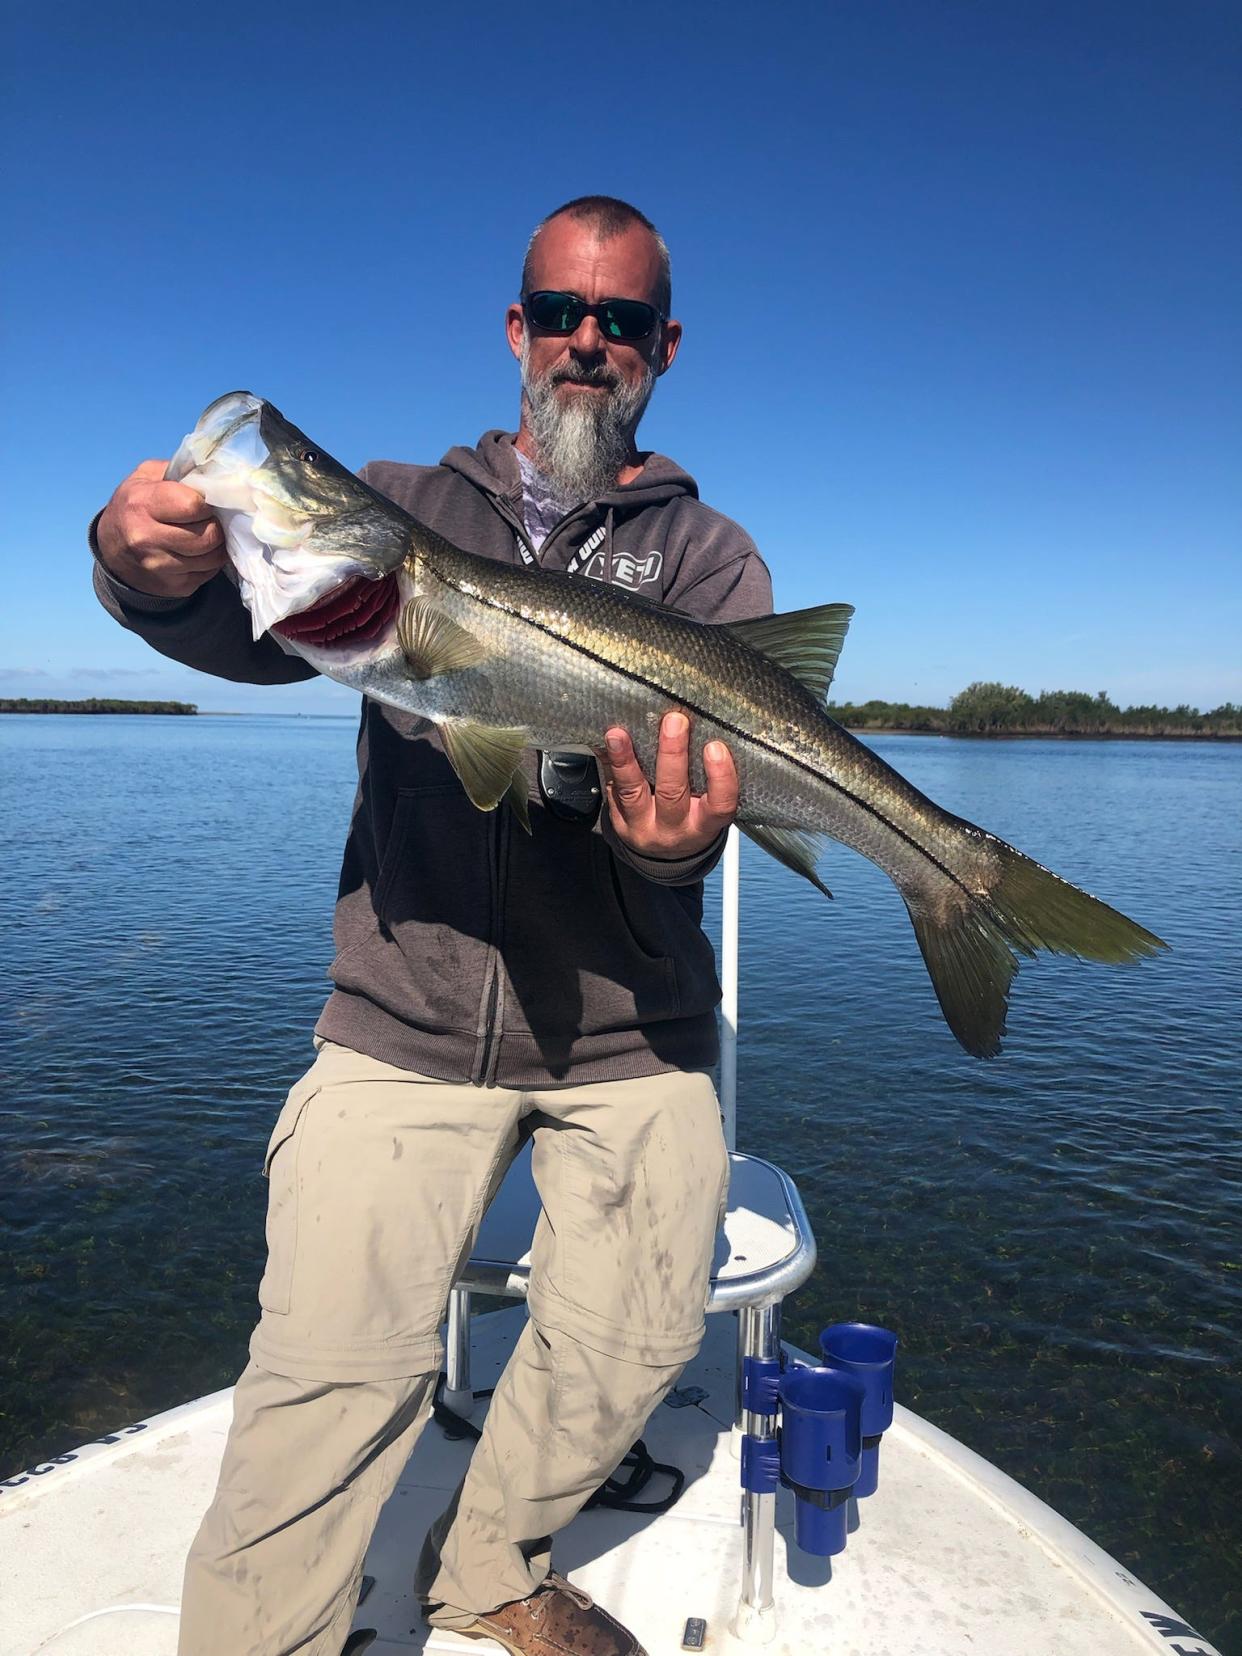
[(586, 339)]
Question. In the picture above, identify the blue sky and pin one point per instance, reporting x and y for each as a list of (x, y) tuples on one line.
[(959, 281)]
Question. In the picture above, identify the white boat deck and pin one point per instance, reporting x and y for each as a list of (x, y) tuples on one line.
[(950, 1556)]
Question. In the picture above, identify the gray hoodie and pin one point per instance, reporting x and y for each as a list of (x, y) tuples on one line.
[(465, 949)]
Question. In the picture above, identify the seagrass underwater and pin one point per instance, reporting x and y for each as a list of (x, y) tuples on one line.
[(503, 658)]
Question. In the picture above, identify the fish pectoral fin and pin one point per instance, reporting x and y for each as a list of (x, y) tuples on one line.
[(432, 642), (486, 760), (792, 846), (804, 642)]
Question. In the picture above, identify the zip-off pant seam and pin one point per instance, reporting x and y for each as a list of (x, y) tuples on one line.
[(487, 1032)]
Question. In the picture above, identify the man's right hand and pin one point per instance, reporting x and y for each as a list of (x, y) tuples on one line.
[(159, 537)]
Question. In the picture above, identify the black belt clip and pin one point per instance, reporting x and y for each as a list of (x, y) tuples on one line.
[(570, 785)]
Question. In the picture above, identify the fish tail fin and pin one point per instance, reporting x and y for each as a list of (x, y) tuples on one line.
[(971, 942)]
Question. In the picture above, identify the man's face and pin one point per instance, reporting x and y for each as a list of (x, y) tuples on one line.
[(584, 393), (570, 257)]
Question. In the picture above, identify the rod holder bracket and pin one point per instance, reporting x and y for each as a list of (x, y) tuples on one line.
[(761, 1465), (761, 1378)]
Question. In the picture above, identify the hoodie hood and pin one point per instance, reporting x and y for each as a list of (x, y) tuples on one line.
[(653, 536), (492, 466)]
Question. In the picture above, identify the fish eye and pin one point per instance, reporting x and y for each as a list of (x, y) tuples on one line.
[(310, 456)]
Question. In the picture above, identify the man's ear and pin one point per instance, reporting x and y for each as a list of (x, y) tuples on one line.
[(515, 324), (670, 339)]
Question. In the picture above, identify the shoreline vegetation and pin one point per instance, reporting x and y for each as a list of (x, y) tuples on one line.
[(982, 709), (95, 704), (991, 709)]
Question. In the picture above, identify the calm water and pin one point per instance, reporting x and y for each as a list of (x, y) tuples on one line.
[(1057, 1235)]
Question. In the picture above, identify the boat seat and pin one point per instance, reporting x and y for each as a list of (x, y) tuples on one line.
[(764, 1250)]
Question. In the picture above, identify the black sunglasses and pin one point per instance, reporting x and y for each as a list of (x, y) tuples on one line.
[(561, 313)]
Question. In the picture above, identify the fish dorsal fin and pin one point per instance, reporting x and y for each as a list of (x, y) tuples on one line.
[(804, 642), (486, 759), (432, 642), (794, 847)]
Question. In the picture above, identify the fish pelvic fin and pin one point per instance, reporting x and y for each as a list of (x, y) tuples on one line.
[(804, 642), (794, 847), (972, 944), (433, 643), (488, 761), (518, 796)]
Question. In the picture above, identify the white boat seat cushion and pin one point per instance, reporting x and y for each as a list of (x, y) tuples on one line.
[(764, 1249)]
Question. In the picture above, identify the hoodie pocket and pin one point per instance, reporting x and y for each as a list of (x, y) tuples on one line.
[(577, 960), (642, 987), (424, 954), (662, 928)]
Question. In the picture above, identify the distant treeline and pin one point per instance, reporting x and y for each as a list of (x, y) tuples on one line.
[(979, 710), (1004, 710), (96, 704)]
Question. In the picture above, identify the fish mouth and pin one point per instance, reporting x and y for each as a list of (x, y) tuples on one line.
[(231, 424), (357, 612)]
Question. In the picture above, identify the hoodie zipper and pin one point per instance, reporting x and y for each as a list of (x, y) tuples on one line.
[(526, 550), (504, 509), (493, 1014), (481, 1077), (488, 1048)]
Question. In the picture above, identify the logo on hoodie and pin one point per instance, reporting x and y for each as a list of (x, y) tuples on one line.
[(627, 571)]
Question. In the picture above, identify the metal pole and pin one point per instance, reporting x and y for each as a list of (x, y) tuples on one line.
[(728, 987), (457, 1392), (755, 1621)]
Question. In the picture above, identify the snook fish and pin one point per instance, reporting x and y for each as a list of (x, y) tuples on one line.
[(500, 658)]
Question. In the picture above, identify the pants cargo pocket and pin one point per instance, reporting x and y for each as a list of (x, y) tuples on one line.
[(280, 1168)]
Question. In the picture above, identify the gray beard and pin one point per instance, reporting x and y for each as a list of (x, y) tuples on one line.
[(582, 444)]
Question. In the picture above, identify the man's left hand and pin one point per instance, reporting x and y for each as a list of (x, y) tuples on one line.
[(668, 820)]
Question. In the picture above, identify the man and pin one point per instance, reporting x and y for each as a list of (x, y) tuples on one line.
[(489, 988)]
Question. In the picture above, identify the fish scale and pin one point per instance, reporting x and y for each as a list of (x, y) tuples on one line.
[(502, 656)]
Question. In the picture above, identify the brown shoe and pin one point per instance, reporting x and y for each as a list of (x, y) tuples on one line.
[(555, 1619)]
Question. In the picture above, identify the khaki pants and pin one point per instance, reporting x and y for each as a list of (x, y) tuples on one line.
[(378, 1182)]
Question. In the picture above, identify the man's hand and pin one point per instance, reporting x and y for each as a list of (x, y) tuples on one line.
[(668, 820), (159, 537)]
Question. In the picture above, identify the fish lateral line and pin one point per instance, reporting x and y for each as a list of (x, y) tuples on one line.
[(476, 595)]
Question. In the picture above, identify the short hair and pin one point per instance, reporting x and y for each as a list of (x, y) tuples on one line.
[(610, 217)]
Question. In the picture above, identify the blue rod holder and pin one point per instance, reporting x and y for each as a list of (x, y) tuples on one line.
[(867, 1354), (821, 1452)]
